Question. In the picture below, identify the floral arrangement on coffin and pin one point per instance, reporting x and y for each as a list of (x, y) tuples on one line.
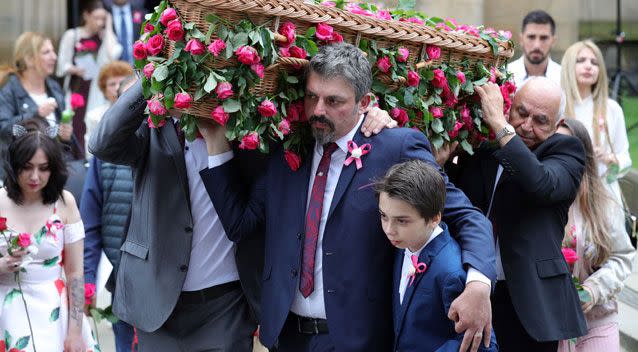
[(225, 64)]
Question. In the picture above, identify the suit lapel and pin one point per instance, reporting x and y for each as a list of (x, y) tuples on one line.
[(396, 304), (169, 135), (347, 174)]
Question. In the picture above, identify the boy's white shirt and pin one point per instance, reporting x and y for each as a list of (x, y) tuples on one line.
[(407, 262)]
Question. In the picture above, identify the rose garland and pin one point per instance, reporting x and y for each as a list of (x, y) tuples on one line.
[(230, 59)]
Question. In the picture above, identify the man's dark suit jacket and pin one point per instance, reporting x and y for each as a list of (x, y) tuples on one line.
[(529, 214), (358, 259), (156, 252)]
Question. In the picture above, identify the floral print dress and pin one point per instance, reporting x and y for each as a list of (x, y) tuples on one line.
[(43, 287)]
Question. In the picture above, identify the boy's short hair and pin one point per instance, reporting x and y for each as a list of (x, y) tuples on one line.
[(416, 183)]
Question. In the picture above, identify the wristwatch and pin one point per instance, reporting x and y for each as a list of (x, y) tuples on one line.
[(505, 131)]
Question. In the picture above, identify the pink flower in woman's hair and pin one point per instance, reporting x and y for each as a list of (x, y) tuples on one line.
[(298, 52), (402, 54), (384, 64), (168, 15), (324, 31), (224, 90), (336, 38), (216, 47)]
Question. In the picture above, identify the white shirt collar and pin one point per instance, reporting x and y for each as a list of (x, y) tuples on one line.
[(437, 231), (126, 7)]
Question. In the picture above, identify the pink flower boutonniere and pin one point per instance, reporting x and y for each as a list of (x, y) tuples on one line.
[(137, 17), (356, 152), (417, 268)]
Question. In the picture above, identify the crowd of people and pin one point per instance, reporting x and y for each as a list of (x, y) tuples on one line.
[(418, 250)]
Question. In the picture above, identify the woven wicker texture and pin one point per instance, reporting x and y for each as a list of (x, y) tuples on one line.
[(387, 34)]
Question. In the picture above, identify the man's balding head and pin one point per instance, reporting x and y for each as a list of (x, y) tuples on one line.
[(536, 109)]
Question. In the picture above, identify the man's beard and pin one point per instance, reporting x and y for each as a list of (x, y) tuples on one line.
[(322, 136), (535, 60)]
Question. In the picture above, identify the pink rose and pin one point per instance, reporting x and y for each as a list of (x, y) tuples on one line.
[(413, 79), (329, 4), (284, 127), (174, 31), (466, 117), (247, 55), (415, 20), (436, 111), (511, 87), (77, 101), (224, 90), (288, 31), (493, 75), (3, 224), (168, 15), (324, 31), (384, 64), (400, 116), (149, 120), (148, 70), (433, 51), (402, 55), (284, 52), (267, 108), (293, 160), (357, 10), (439, 80), (250, 141), (148, 28), (336, 38), (216, 47), (449, 99), (298, 52), (461, 76), (195, 47), (570, 255), (220, 116), (155, 45), (443, 26), (295, 111), (507, 101), (139, 50), (258, 69), (137, 17), (90, 45), (507, 35), (156, 107), (182, 100), (455, 131), (384, 15), (24, 240), (89, 292)]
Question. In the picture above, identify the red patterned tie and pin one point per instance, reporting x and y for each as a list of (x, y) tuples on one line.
[(313, 219)]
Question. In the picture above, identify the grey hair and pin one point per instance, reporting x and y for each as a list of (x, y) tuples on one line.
[(346, 61), (563, 97)]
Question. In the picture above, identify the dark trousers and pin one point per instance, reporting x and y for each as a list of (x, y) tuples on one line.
[(291, 340), (123, 337), (221, 323), (512, 336)]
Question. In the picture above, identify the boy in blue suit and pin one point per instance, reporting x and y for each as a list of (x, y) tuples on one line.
[(428, 272)]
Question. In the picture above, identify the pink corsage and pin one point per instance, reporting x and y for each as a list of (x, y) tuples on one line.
[(417, 268), (137, 17), (356, 153)]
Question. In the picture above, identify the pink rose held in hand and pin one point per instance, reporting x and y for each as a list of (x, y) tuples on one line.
[(267, 109), (224, 90), (220, 116), (250, 141), (175, 31), (570, 255), (155, 45), (216, 47), (24, 240), (182, 101)]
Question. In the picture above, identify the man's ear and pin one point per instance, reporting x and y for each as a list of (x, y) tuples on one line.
[(363, 103)]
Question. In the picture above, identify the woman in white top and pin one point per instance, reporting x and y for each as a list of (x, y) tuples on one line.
[(83, 51), (41, 247), (596, 229), (584, 80)]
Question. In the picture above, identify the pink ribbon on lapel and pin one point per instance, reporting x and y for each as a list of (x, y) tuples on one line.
[(356, 153), (417, 269)]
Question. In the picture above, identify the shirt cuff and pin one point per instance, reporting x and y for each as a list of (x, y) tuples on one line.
[(219, 159), (475, 275)]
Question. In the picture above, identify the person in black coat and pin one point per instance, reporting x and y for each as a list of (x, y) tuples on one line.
[(525, 184)]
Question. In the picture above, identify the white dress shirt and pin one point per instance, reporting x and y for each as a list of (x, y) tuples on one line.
[(407, 262), (212, 259), (517, 67)]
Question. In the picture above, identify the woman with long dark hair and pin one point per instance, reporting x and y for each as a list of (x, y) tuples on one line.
[(41, 248), (596, 226)]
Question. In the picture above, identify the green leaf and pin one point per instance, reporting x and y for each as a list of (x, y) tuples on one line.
[(211, 83), (584, 296), (40, 235), (160, 73), (255, 37), (96, 315), (408, 98), (189, 26), (7, 338), (55, 314), (437, 126), (311, 31), (406, 5), (292, 79), (467, 147), (437, 141), (51, 262), (231, 105), (240, 39), (22, 342), (9, 298)]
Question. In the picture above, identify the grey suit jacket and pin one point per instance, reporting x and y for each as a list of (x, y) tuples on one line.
[(156, 251)]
